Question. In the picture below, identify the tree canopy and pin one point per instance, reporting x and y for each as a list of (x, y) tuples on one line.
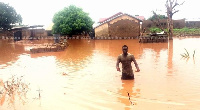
[(154, 17), (8, 16), (71, 21)]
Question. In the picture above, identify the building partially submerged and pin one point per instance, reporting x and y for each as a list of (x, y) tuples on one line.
[(27, 32), (119, 25)]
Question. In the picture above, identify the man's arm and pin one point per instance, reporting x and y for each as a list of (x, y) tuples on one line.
[(117, 64), (136, 65)]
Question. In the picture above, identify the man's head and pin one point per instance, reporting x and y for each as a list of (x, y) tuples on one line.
[(125, 49)]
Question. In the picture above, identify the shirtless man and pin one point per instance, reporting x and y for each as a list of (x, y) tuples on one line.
[(126, 59)]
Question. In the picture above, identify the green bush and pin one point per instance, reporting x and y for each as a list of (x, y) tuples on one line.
[(155, 30), (185, 30)]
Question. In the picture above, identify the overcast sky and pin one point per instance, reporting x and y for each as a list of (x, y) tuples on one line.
[(40, 12)]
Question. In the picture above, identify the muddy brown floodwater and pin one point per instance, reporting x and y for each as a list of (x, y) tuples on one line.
[(84, 76)]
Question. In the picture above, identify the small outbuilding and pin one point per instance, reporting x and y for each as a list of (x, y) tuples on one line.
[(119, 25), (27, 32)]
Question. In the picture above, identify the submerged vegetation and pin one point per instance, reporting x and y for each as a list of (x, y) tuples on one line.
[(14, 86), (193, 53), (187, 55)]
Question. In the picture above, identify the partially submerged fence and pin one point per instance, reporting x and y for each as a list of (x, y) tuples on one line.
[(61, 38), (156, 38)]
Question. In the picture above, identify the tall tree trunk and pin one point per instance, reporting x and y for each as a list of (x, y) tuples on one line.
[(170, 5), (170, 28)]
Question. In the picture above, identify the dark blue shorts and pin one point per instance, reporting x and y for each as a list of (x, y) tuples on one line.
[(127, 77)]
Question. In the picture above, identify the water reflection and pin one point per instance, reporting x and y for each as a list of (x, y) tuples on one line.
[(170, 56), (128, 94), (9, 52), (77, 55), (156, 48), (114, 47), (74, 58)]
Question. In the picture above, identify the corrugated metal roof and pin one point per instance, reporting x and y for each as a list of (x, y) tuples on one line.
[(26, 27)]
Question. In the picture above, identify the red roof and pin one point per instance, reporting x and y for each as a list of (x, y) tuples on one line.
[(104, 19), (140, 17)]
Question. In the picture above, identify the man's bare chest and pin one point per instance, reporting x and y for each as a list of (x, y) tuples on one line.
[(126, 59)]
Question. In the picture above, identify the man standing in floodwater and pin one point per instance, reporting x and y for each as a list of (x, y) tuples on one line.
[(126, 59)]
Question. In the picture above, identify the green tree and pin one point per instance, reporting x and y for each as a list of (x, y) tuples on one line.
[(156, 20), (71, 21), (154, 17), (8, 17)]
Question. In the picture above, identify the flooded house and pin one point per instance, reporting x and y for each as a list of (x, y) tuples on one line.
[(24, 32), (120, 25), (28, 32)]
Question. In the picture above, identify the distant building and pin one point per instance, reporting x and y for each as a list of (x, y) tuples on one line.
[(28, 32), (140, 17), (24, 32), (118, 25)]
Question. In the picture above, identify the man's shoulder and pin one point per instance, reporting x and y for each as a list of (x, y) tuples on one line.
[(130, 54), (120, 55)]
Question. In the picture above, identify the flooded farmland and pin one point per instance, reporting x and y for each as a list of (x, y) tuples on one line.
[(83, 76)]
